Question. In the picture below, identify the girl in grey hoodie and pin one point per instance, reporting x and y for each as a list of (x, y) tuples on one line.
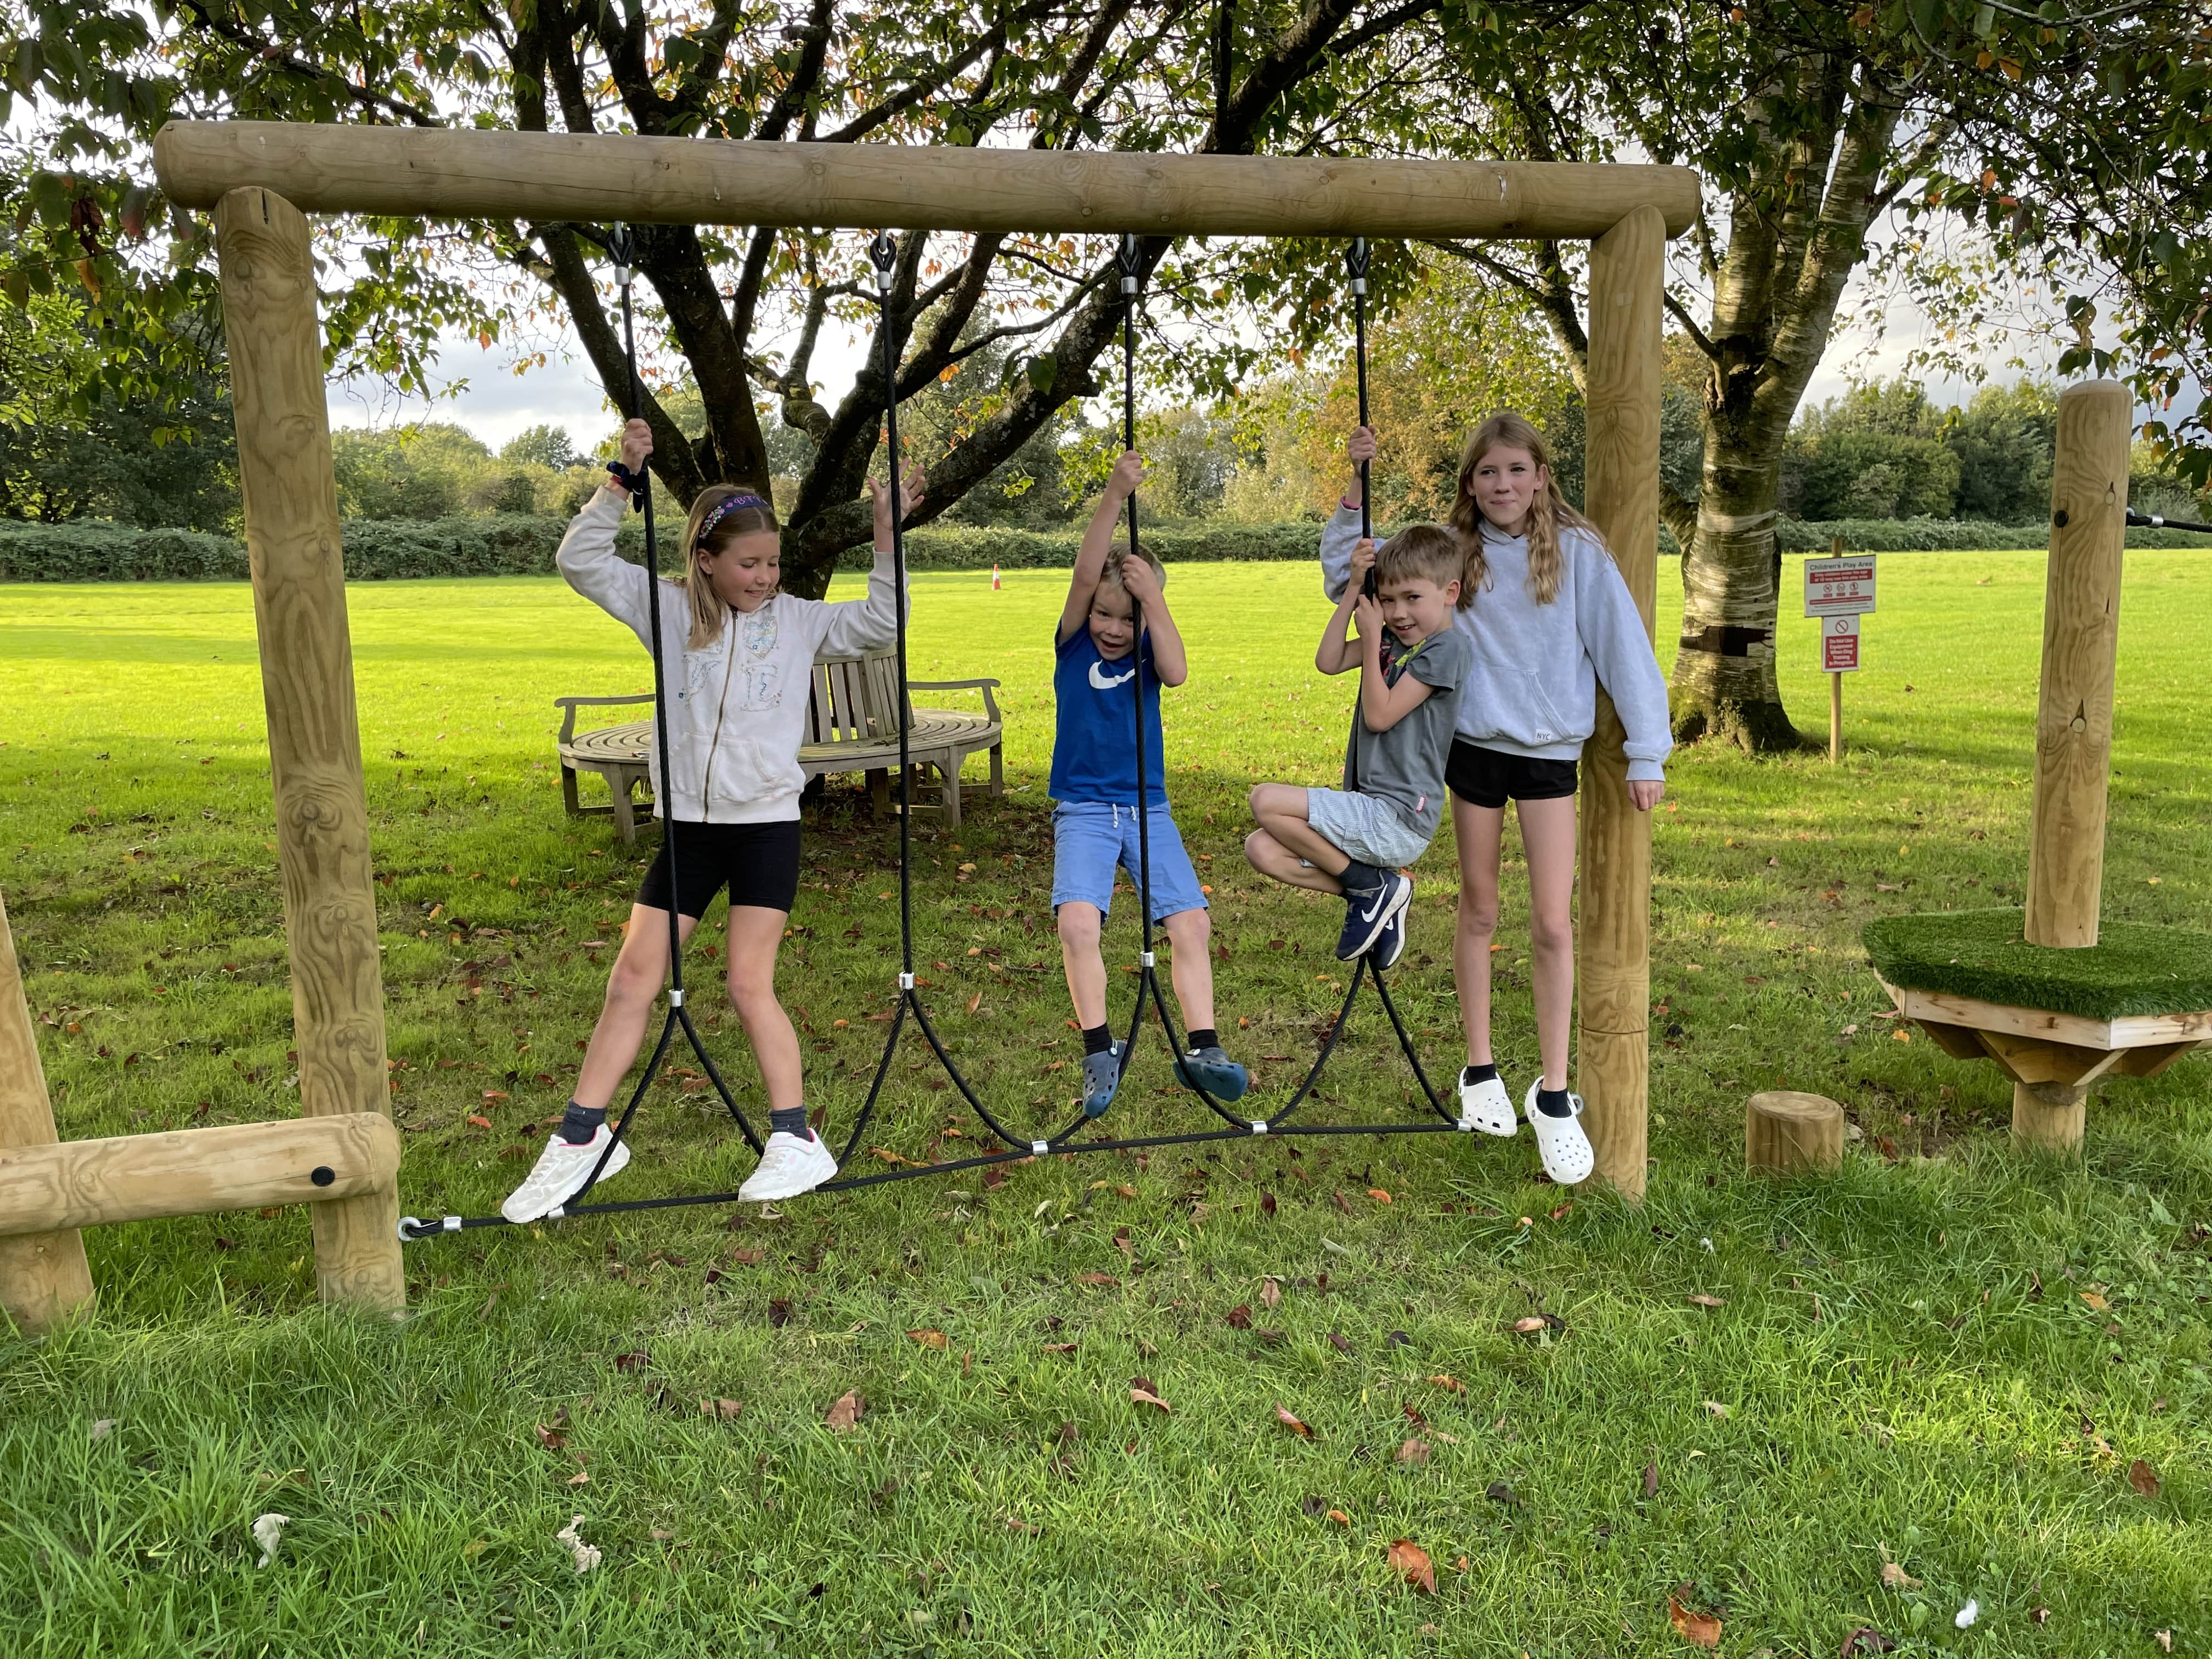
[(1551, 621), (737, 659)]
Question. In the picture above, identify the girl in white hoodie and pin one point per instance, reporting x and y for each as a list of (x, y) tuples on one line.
[(737, 659)]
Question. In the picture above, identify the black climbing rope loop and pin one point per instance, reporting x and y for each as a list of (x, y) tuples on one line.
[(2159, 521), (883, 255)]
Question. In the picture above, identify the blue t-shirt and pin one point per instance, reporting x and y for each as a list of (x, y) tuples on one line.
[(1094, 747)]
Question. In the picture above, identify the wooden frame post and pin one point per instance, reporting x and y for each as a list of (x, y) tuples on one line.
[(314, 738), (43, 1279), (1621, 493), (2074, 713)]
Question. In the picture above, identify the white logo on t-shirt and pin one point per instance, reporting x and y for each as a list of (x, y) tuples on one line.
[(1099, 683)]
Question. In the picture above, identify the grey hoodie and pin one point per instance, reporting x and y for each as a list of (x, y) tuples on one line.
[(1533, 689)]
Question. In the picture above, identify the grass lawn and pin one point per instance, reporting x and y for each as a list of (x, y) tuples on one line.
[(1749, 1397)]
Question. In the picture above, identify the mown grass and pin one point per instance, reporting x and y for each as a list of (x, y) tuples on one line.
[(1948, 1351)]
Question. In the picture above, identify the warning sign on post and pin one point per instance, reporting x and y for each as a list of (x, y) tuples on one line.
[(1840, 644), (1839, 587)]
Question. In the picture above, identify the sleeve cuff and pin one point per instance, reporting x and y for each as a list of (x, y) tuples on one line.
[(1646, 771)]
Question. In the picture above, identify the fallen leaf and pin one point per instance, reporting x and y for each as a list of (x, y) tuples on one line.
[(581, 1477), (481, 1121), (1412, 1414), (1698, 1629), (551, 1439), (1060, 1347), (1560, 1214), (268, 1532), (1717, 1409), (1266, 1202), (2143, 1479), (585, 1556), (1411, 1561), (1651, 1478), (1378, 1194), (1145, 1396), (103, 1428), (1292, 1424), (846, 1412), (1096, 1278), (2039, 1615), (1449, 1383), (928, 1339), (1895, 1578), (2165, 1640), (1271, 1293), (1528, 1327), (1238, 1318), (2095, 1301), (1337, 1342), (1340, 1517), (1866, 1639), (724, 1409), (635, 1360), (1707, 1301), (1498, 1492), (1412, 1452)]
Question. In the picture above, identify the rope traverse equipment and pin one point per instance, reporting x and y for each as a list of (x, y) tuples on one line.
[(2159, 521), (1355, 267), (883, 255)]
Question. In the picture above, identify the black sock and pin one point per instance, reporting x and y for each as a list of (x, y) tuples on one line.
[(1553, 1102), (1359, 877), (1204, 1039), (790, 1121), (1097, 1039), (1471, 1075), (579, 1124)]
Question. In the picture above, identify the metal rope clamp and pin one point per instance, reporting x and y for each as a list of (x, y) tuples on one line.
[(621, 248)]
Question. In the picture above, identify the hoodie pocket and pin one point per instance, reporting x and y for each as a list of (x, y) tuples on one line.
[(1548, 725), (745, 771)]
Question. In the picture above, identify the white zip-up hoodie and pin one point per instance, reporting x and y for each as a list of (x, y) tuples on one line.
[(737, 708)]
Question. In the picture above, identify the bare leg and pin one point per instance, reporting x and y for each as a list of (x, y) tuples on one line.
[(1280, 809), (755, 933), (1190, 933), (1547, 835), (1080, 925), (640, 970), (1479, 829), (1271, 858)]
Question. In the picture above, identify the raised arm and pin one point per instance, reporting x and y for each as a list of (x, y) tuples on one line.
[(1170, 663), (1338, 534), (1337, 653), (587, 560), (856, 626), (1098, 542)]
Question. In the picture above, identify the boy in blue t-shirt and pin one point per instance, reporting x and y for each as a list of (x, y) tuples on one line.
[(1115, 618)]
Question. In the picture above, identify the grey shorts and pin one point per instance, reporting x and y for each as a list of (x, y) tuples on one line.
[(1365, 828)]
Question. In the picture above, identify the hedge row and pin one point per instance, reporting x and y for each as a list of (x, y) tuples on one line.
[(520, 544)]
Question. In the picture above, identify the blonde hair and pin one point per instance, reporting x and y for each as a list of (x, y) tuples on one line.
[(1548, 513), (1111, 576), (1426, 551), (719, 514)]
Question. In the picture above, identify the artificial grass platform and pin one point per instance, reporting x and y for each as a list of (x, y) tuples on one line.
[(2131, 968)]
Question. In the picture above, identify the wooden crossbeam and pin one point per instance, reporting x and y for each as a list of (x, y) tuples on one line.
[(465, 173), (237, 1166)]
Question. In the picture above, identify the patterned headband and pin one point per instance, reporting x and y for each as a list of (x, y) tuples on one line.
[(728, 504)]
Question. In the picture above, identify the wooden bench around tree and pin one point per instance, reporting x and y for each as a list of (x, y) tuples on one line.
[(850, 728)]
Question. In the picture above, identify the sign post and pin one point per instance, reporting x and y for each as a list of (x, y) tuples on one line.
[(1839, 591)]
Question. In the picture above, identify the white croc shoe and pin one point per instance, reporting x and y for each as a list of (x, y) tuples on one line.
[(789, 1167), (560, 1170), (1485, 1106), (1560, 1142)]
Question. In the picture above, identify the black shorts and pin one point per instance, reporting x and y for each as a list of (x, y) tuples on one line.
[(1483, 777), (757, 862)]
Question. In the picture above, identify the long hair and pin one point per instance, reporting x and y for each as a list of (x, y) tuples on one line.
[(1548, 513), (719, 514)]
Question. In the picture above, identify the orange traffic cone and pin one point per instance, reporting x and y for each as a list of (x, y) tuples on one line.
[(994, 579)]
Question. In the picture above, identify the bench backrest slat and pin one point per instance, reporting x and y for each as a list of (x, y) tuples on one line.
[(851, 699)]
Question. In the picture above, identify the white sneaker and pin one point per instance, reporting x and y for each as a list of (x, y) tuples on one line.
[(1485, 1106), (789, 1167), (560, 1170), (1560, 1142)]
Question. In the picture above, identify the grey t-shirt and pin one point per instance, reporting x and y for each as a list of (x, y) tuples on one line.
[(1404, 765)]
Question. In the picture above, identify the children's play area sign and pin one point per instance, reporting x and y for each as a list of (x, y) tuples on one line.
[(1839, 587)]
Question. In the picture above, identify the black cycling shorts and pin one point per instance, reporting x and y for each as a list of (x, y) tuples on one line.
[(757, 862), (1483, 777)]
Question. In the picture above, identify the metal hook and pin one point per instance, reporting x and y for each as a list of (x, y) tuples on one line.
[(883, 253), (1131, 260)]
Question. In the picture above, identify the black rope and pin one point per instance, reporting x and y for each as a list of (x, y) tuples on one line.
[(2159, 521), (1019, 1149), (1355, 266)]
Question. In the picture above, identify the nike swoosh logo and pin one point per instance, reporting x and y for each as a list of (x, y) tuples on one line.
[(1099, 682), (1369, 913)]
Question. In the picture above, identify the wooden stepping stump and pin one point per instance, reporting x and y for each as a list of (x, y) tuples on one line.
[(1789, 1133)]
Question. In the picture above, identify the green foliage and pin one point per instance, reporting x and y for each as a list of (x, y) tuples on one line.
[(436, 469), (548, 446), (2130, 969)]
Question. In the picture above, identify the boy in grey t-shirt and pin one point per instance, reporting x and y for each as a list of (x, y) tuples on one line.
[(1411, 663)]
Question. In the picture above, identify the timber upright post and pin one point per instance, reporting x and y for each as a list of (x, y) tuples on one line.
[(315, 737), (44, 1278), (2074, 713), (1622, 498)]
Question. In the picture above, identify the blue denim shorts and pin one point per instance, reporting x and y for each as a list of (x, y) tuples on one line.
[(1089, 838)]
